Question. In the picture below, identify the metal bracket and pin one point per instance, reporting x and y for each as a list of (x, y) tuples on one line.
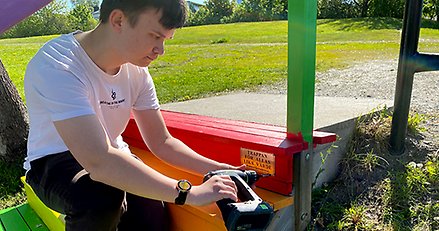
[(302, 189)]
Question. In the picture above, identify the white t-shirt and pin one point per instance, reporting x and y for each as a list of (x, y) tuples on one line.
[(62, 82)]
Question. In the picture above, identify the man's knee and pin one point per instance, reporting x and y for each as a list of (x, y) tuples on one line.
[(95, 206), (94, 220), (144, 214), (93, 195)]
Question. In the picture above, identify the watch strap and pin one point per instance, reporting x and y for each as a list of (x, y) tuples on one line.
[(183, 187), (181, 198)]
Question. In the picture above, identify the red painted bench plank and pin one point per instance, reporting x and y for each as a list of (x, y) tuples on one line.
[(223, 140), (238, 123), (228, 127), (243, 126), (323, 137)]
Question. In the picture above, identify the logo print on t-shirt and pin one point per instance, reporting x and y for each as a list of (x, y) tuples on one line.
[(112, 104), (113, 94)]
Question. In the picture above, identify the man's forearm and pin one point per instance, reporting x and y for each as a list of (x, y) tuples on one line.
[(126, 173), (122, 171), (171, 150)]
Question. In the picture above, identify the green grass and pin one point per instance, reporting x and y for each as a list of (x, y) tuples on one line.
[(210, 59), (261, 32), (193, 72), (16, 53)]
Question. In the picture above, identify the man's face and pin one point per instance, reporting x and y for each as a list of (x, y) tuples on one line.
[(144, 42)]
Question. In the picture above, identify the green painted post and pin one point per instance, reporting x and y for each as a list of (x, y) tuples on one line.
[(302, 21)]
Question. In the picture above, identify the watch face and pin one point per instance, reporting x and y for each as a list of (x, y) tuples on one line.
[(184, 185)]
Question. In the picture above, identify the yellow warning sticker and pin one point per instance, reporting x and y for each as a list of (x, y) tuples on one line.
[(261, 162)]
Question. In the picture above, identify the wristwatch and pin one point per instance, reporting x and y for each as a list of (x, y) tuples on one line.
[(183, 187)]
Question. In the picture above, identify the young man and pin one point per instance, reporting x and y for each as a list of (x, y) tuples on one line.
[(80, 90)]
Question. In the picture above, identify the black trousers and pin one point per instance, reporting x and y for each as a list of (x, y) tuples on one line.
[(64, 186)]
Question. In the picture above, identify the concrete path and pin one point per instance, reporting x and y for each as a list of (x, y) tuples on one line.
[(271, 109)]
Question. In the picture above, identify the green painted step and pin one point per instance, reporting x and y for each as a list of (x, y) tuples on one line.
[(32, 219), (21, 218)]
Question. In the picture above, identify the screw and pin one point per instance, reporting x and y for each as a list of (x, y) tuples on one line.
[(304, 215)]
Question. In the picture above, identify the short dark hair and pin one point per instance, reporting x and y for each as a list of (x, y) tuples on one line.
[(174, 12)]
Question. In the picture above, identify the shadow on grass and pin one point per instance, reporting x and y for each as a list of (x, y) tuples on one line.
[(399, 214), (427, 23), (364, 23), (11, 189), (373, 23)]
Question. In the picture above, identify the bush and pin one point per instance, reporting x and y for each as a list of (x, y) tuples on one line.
[(384, 8), (212, 13), (259, 10), (335, 9), (198, 18), (225, 11)]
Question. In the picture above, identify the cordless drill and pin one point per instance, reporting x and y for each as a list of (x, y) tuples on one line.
[(250, 212)]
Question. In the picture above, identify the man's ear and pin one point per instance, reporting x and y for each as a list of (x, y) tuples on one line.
[(116, 19)]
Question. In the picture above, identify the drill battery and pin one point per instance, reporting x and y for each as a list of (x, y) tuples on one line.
[(250, 212)]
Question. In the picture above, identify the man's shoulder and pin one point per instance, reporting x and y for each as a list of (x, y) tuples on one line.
[(61, 43), (58, 53), (62, 46)]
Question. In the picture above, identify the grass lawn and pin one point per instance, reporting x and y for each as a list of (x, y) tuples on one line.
[(205, 60)]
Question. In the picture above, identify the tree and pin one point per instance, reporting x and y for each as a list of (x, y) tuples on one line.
[(91, 3), (13, 121), (385, 8), (218, 9), (81, 17), (259, 10), (212, 13), (363, 6), (333, 9), (198, 18), (431, 9)]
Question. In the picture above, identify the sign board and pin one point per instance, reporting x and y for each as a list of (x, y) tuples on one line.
[(261, 162)]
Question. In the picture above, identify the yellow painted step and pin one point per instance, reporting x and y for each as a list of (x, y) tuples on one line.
[(53, 220)]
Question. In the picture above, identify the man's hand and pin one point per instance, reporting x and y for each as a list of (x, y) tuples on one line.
[(216, 188)]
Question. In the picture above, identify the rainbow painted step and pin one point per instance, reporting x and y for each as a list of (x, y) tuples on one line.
[(261, 146)]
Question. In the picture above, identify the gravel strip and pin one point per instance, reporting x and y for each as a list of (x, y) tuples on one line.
[(372, 79)]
